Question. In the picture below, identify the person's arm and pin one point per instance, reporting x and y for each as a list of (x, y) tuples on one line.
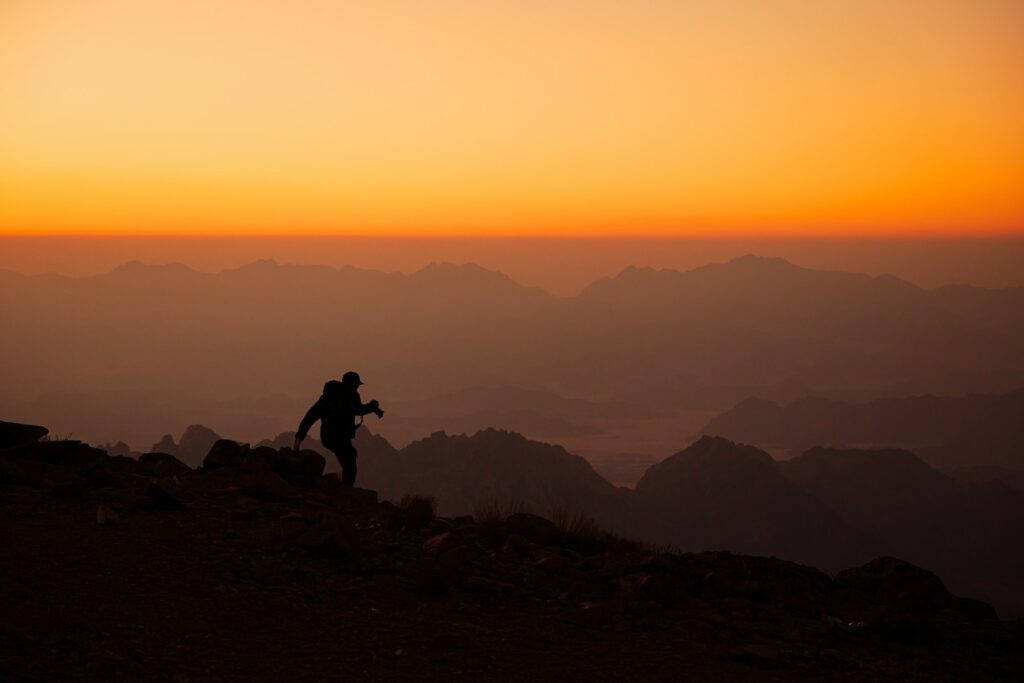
[(312, 415), (366, 408)]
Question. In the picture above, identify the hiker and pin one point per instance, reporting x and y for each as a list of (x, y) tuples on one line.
[(337, 410)]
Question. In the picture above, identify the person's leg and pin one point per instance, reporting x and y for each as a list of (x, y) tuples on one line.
[(347, 459)]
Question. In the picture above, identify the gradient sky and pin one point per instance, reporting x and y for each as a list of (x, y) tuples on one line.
[(528, 117)]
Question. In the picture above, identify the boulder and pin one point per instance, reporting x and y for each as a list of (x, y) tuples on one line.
[(107, 516), (265, 485), (302, 468), (156, 498), (437, 574), (897, 584), (535, 528), (263, 458), (443, 541), (516, 545), (73, 454), (160, 465), (344, 497), (332, 537), (13, 434), (664, 589), (225, 453)]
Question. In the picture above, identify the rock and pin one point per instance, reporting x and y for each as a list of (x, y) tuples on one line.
[(66, 490), (441, 542), (13, 475), (293, 525), (160, 465), (414, 512), (309, 463), (156, 498), (61, 453), (440, 573), (537, 529), (759, 655), (485, 585), (13, 434), (587, 614), (225, 453), (907, 588), (345, 497), (443, 524), (664, 589), (335, 538), (553, 563), (265, 458), (99, 477), (516, 545), (265, 485), (107, 515)]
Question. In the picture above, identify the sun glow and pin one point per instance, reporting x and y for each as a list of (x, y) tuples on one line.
[(562, 117)]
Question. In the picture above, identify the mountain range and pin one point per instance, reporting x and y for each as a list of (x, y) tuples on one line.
[(958, 433), (648, 354)]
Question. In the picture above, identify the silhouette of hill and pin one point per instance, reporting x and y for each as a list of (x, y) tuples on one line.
[(326, 578), (462, 472), (963, 432), (719, 495), (969, 533)]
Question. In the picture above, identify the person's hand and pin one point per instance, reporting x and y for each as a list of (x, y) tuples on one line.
[(298, 442)]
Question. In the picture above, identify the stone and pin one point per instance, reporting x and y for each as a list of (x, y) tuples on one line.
[(537, 529), (160, 465), (516, 545), (443, 541), (107, 515), (897, 584), (553, 563), (265, 485), (156, 498), (263, 458), (345, 497), (485, 585), (332, 537), (13, 434), (437, 574), (662, 588), (225, 453), (66, 490)]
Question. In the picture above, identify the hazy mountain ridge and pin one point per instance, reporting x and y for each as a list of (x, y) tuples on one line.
[(966, 431), (715, 333)]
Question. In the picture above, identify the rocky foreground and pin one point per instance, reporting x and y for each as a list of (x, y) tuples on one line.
[(259, 567)]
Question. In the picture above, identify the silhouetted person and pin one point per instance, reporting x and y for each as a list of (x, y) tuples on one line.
[(337, 409)]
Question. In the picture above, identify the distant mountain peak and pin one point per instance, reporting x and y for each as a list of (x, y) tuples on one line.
[(260, 264), (136, 266), (755, 261), (446, 270)]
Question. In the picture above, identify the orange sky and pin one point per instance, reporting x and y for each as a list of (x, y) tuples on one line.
[(521, 117)]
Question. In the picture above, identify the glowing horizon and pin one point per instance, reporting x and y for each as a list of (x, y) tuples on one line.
[(559, 118)]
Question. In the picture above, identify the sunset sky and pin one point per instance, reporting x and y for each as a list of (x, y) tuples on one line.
[(703, 117)]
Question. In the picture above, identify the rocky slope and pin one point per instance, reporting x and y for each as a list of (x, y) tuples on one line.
[(258, 567)]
